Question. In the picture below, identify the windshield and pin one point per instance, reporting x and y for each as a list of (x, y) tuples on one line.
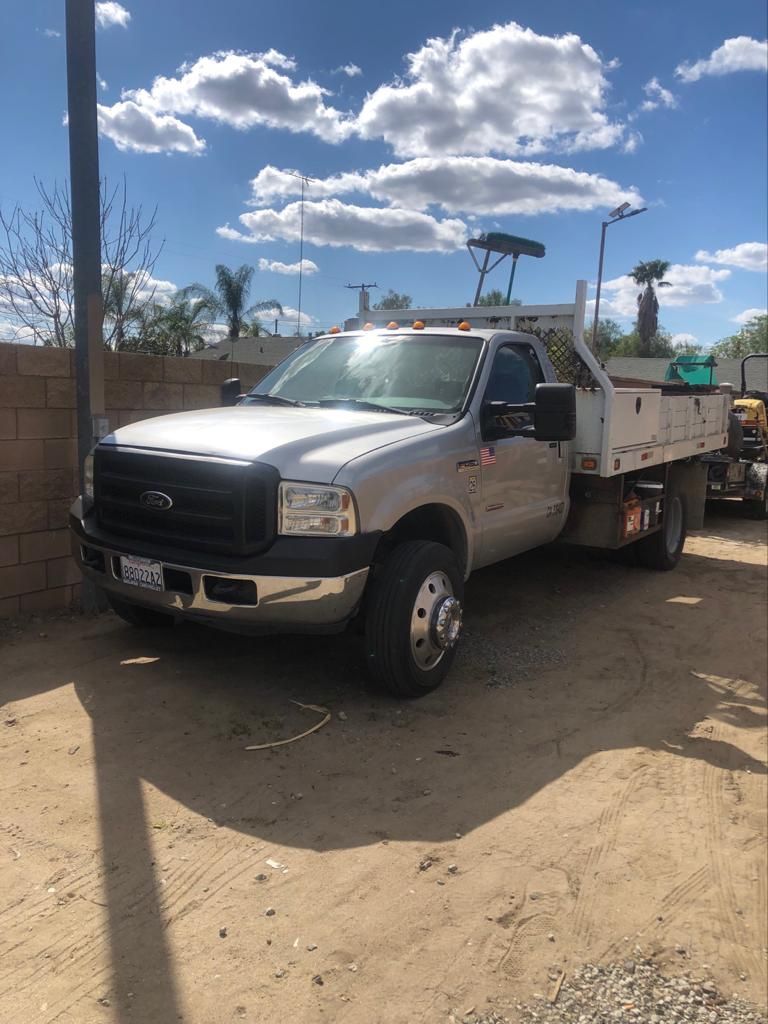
[(403, 372)]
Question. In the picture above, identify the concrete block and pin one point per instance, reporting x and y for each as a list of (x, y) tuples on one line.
[(46, 544), (9, 488), (22, 579), (137, 366), (42, 361), (7, 424), (46, 600), (60, 393), (34, 423), (22, 392), (21, 455), (123, 394), (183, 371), (9, 550), (163, 396), (45, 484), (201, 396), (62, 571)]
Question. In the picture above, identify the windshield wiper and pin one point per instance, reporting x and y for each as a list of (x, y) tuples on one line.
[(359, 403), (274, 399)]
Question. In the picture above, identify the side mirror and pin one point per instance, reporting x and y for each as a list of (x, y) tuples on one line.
[(555, 415), (230, 391), (551, 417)]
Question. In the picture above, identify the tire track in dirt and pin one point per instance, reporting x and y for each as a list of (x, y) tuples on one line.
[(607, 836), (84, 951), (743, 959), (50, 908), (670, 905)]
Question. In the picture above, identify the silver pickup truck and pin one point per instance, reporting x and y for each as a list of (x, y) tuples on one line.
[(364, 478)]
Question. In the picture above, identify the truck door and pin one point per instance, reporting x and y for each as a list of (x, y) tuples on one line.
[(523, 481)]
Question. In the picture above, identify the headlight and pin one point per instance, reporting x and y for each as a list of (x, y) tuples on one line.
[(316, 511), (88, 479)]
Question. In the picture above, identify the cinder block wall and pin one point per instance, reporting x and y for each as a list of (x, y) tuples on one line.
[(38, 452)]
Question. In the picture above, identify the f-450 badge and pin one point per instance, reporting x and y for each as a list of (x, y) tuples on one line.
[(556, 510)]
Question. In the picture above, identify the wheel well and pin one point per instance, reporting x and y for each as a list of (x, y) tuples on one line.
[(428, 522)]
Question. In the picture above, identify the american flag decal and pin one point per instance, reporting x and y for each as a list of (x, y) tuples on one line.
[(488, 456)]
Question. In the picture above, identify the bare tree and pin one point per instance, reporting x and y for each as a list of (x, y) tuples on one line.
[(36, 287)]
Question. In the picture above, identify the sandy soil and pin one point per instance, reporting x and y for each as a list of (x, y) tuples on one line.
[(590, 779)]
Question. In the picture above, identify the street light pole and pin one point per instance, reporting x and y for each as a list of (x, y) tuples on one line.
[(620, 213)]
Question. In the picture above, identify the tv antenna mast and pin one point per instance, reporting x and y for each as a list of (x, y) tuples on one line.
[(305, 180)]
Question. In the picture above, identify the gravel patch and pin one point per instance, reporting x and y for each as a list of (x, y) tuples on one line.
[(633, 992), (505, 662)]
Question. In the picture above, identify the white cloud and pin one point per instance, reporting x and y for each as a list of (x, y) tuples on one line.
[(632, 141), (132, 127), (368, 229), (156, 289), (684, 339), (243, 90), (690, 286), (350, 70), (478, 185), (276, 267), (52, 33), (506, 90), (658, 96), (109, 13), (748, 314), (16, 333), (103, 84), (746, 256), (287, 320), (741, 53)]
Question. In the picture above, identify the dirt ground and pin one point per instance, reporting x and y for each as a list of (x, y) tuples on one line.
[(591, 779)]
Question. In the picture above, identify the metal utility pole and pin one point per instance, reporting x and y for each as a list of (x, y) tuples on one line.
[(620, 213), (86, 234), (362, 302)]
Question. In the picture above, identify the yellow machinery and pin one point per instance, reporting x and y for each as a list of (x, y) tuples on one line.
[(752, 414), (741, 470)]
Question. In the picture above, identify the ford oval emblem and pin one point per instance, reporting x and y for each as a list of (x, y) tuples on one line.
[(156, 500)]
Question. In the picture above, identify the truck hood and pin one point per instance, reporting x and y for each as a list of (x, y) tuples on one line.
[(302, 444)]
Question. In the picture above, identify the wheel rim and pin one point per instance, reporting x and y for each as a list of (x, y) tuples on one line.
[(435, 621), (674, 525)]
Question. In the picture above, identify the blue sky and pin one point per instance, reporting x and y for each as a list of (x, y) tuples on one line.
[(524, 117)]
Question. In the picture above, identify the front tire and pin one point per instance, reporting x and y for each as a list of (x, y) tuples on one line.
[(414, 618), (663, 549), (136, 615)]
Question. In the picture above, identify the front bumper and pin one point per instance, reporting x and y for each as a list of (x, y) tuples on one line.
[(293, 604)]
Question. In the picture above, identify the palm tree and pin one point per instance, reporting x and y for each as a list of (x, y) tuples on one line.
[(230, 297), (177, 329), (647, 275), (123, 304)]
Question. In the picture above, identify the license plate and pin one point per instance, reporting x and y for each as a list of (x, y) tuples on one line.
[(141, 572)]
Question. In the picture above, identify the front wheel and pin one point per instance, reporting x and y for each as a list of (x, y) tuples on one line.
[(137, 615), (414, 618), (663, 549)]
